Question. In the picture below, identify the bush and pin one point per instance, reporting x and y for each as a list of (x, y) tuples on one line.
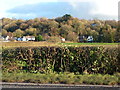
[(39, 38), (111, 80), (82, 60)]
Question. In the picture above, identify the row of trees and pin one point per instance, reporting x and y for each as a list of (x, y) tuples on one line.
[(67, 26)]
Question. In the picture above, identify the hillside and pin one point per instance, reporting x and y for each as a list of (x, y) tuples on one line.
[(66, 26)]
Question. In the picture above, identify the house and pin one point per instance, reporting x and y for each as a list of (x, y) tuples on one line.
[(62, 39), (9, 37), (19, 39), (85, 38), (81, 38), (28, 38), (90, 38), (93, 24)]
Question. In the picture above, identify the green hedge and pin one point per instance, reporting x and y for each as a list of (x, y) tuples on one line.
[(61, 59)]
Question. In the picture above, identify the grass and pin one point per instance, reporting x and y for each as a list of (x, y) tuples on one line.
[(90, 44), (62, 78), (26, 44), (43, 43)]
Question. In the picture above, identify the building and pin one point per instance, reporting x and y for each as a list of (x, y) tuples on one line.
[(90, 39), (85, 38), (63, 39), (28, 38), (19, 39), (81, 38)]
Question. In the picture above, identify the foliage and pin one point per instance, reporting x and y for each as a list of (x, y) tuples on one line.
[(102, 31), (31, 31), (72, 37), (4, 33), (61, 59), (18, 33), (54, 39), (39, 38)]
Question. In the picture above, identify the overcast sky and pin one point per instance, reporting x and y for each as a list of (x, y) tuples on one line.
[(83, 9)]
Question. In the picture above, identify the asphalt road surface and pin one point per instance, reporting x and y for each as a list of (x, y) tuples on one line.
[(32, 86)]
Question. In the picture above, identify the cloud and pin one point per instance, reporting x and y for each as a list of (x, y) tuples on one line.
[(54, 9), (9, 4), (106, 7), (87, 9)]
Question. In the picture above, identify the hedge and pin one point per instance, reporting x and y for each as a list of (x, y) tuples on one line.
[(80, 60)]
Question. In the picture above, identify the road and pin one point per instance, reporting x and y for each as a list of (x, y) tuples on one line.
[(32, 86)]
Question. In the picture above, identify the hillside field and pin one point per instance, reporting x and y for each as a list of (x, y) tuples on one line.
[(43, 43)]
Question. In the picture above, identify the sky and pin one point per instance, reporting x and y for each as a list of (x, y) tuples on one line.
[(82, 9)]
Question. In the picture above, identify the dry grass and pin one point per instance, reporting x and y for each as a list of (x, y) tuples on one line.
[(26, 44), (44, 43)]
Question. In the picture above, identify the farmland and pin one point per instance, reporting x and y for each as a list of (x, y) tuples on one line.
[(26, 44), (43, 43)]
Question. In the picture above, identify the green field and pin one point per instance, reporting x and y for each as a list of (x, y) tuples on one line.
[(90, 43)]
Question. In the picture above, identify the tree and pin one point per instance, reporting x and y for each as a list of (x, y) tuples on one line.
[(23, 26), (95, 35), (64, 30), (72, 36), (39, 38), (31, 31), (18, 33), (53, 28), (66, 17), (4, 32), (65, 26)]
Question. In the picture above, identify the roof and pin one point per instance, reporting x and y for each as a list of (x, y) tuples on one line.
[(28, 36)]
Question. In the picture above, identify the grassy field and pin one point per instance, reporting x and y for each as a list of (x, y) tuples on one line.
[(26, 44), (36, 44), (62, 78), (92, 44)]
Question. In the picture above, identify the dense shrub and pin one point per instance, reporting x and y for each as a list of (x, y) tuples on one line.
[(82, 60), (39, 38)]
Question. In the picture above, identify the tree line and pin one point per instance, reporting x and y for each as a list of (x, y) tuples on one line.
[(66, 26)]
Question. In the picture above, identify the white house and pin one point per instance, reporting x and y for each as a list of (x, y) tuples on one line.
[(28, 38), (90, 39), (6, 38), (63, 39)]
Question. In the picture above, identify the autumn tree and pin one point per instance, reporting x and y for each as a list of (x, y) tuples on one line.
[(4, 32), (31, 31), (18, 33), (64, 30)]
